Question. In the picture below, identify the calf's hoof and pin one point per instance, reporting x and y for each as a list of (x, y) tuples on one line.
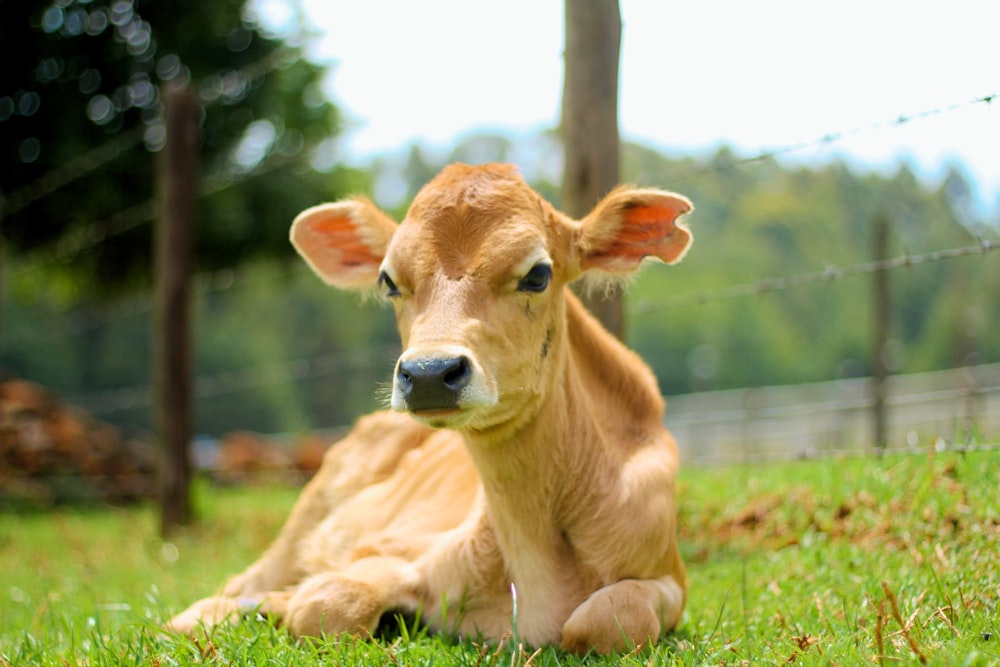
[(613, 619), (331, 605)]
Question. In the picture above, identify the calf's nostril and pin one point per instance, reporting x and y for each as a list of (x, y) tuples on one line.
[(458, 376), (404, 380)]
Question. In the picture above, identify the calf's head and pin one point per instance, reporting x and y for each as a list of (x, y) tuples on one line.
[(477, 273)]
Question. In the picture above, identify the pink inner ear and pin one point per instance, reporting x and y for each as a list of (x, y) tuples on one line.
[(646, 230), (335, 238)]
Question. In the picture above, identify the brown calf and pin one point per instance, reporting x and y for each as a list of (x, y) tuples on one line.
[(526, 455)]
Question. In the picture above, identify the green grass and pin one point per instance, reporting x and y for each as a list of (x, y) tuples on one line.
[(859, 561)]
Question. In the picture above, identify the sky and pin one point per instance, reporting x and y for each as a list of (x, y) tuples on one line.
[(693, 76)]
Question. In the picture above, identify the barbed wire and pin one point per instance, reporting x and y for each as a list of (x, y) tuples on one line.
[(840, 135), (95, 158), (78, 241), (99, 156), (230, 177), (255, 71), (827, 275), (231, 382), (225, 280), (940, 446), (852, 395), (131, 218), (205, 284), (72, 170), (242, 379)]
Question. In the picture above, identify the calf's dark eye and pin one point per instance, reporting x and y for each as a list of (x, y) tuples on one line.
[(390, 287), (537, 279)]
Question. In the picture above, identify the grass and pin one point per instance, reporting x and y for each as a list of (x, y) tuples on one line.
[(858, 561)]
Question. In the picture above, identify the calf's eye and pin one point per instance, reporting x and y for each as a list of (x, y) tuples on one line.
[(390, 287), (537, 279)]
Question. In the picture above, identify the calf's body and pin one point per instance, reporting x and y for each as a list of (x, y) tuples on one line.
[(526, 452)]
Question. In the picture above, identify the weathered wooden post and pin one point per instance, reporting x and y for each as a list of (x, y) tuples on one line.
[(882, 303), (177, 179), (590, 122)]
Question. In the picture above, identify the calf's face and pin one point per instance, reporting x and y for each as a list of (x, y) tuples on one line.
[(476, 274)]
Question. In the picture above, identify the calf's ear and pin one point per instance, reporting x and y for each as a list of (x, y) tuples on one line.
[(344, 242), (631, 224)]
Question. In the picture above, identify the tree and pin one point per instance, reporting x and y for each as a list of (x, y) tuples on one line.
[(80, 117)]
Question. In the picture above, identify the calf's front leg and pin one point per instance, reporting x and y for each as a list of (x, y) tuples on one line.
[(349, 600), (626, 613), (353, 599)]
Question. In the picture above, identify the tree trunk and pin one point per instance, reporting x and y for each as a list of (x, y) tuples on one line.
[(590, 123)]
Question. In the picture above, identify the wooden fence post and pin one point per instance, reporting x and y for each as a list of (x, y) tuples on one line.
[(590, 122), (882, 303), (173, 257)]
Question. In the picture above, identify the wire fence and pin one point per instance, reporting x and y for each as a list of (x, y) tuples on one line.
[(833, 137), (300, 368), (208, 386), (956, 410), (85, 163), (93, 159), (826, 275), (124, 221)]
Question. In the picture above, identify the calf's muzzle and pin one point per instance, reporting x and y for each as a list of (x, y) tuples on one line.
[(432, 383)]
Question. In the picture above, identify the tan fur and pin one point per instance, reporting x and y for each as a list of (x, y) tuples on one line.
[(551, 470)]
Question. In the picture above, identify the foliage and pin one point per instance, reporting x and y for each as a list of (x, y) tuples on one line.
[(855, 561), (277, 350), (762, 221), (86, 75)]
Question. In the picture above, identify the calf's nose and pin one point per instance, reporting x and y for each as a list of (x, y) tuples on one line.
[(432, 383)]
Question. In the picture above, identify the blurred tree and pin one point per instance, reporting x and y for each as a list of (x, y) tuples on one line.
[(80, 118), (763, 221)]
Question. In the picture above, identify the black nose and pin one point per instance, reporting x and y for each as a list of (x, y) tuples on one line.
[(432, 383)]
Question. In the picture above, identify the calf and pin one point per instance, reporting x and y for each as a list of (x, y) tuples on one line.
[(525, 457)]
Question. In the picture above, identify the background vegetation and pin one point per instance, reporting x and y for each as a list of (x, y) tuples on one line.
[(80, 126), (80, 130), (278, 351)]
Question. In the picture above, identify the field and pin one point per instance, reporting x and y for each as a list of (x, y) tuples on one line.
[(854, 561)]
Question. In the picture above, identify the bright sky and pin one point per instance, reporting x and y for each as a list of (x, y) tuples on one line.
[(694, 75)]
